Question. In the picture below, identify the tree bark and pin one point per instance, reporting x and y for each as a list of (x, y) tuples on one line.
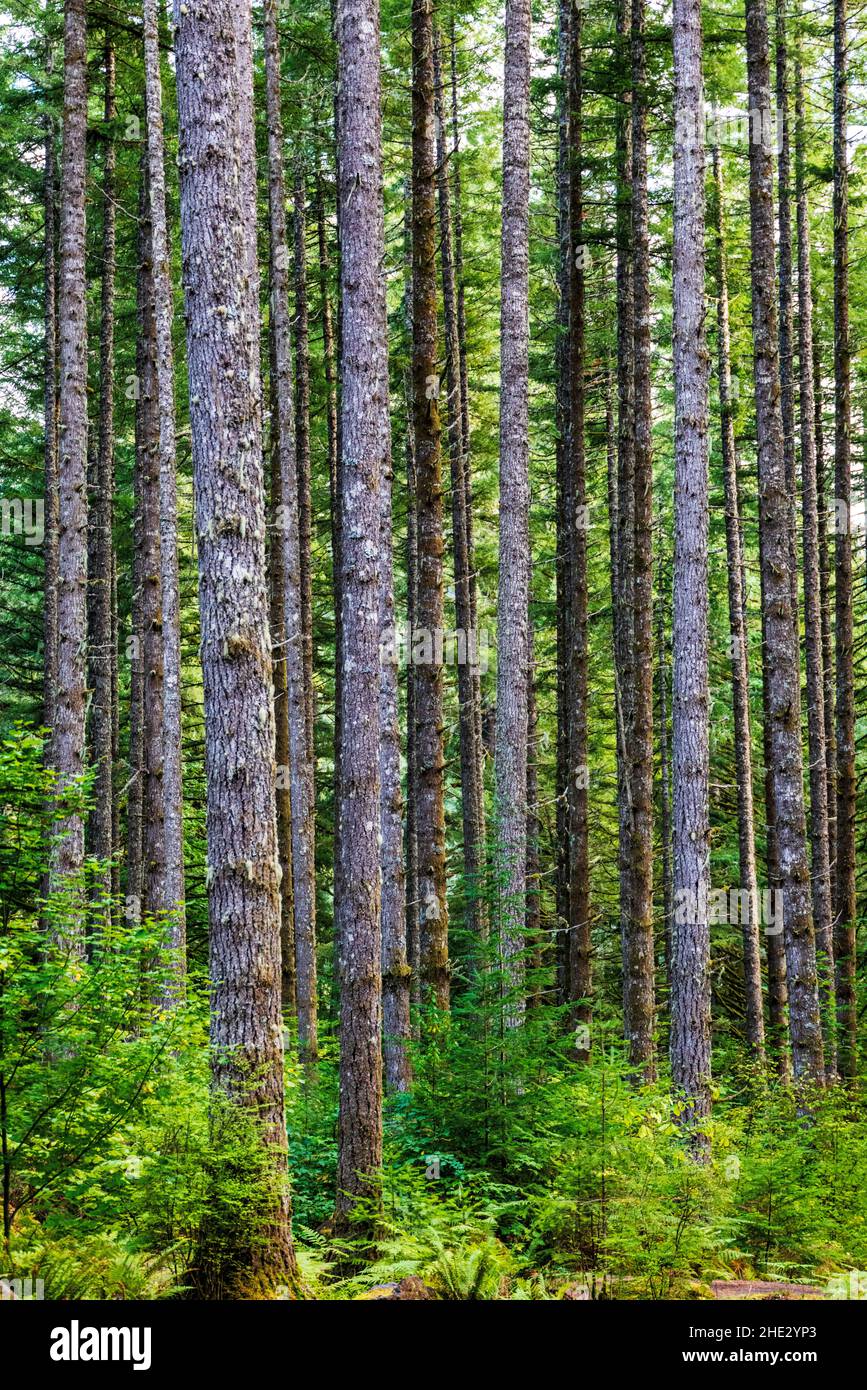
[(101, 514), (640, 943), (153, 842), (430, 811), (577, 513), (514, 572), (301, 341), (781, 648), (395, 966), (845, 907), (755, 1022), (690, 1041), (470, 746), (784, 242), (170, 891), (365, 442), (221, 297), (50, 418), (623, 626), (68, 743), (299, 771), (821, 870)]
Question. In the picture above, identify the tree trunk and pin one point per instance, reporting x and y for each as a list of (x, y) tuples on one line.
[(514, 572), (221, 293), (430, 812), (470, 746), (623, 626), (365, 443), (781, 648), (784, 241), (68, 744), (575, 497), (640, 943), (302, 460), (170, 890), (50, 418), (102, 514), (845, 908), (825, 588), (277, 612), (755, 1022), (563, 579), (395, 966), (153, 846), (299, 771), (690, 1041), (821, 871)]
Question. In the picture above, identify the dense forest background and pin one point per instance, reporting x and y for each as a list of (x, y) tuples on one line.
[(432, 634)]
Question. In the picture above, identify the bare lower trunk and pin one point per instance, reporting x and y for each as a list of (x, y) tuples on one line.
[(221, 288), (690, 1041), (430, 812), (170, 891), (640, 944), (68, 744), (755, 1023), (287, 535), (781, 648), (102, 514), (395, 966), (50, 419), (845, 907), (301, 340), (623, 630), (149, 604), (514, 573), (821, 872), (575, 497), (470, 746), (365, 443)]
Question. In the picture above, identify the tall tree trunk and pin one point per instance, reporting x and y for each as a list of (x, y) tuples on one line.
[(784, 241), (50, 418), (821, 871), (277, 614), (623, 626), (665, 795), (153, 843), (755, 1022), (395, 966), (221, 288), (68, 744), (102, 510), (430, 812), (690, 1040), (365, 443), (563, 580), (330, 358), (299, 772), (466, 471), (575, 497), (640, 943), (470, 745), (845, 908), (301, 341), (514, 573), (825, 589), (170, 890), (780, 644)]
